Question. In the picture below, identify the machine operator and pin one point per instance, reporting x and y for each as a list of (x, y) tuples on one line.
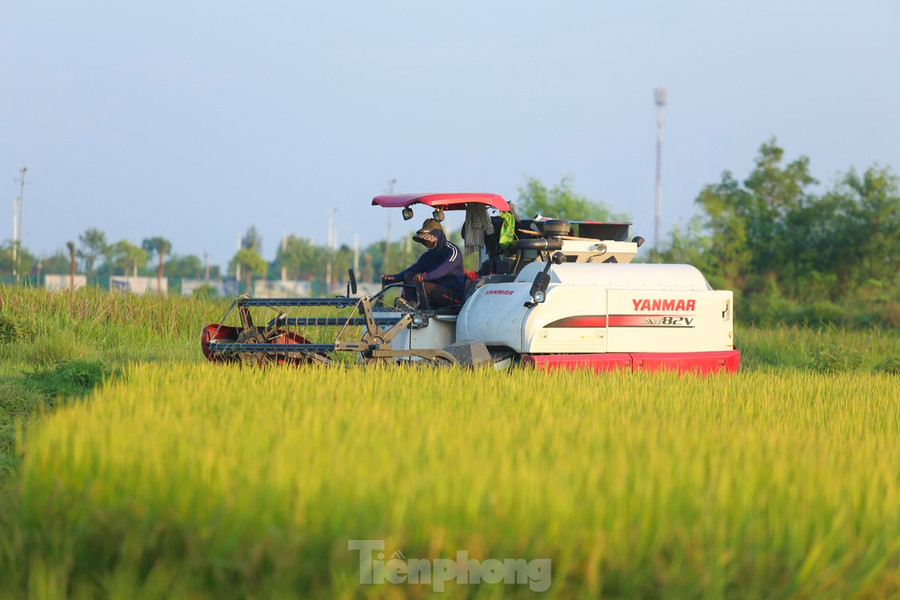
[(439, 269)]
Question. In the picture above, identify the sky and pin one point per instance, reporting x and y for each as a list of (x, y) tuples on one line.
[(195, 120)]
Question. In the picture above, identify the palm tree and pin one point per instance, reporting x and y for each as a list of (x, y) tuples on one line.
[(159, 246)]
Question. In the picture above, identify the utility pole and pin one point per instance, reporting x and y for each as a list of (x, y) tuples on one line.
[(237, 264), (17, 229), (387, 235), (330, 249), (22, 172), (334, 249), (283, 251), (206, 266), (356, 254), (15, 236), (661, 98)]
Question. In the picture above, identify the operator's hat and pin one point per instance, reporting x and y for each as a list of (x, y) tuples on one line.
[(429, 225)]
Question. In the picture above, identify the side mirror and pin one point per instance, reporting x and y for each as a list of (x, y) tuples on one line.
[(438, 215), (351, 287), (407, 213), (538, 290), (638, 240)]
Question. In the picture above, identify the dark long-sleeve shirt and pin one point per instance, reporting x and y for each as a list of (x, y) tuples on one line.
[(443, 265)]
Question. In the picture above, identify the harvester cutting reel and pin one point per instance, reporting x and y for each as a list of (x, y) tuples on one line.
[(276, 343)]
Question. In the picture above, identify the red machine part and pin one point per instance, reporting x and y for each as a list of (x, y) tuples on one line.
[(224, 332), (684, 362), (442, 201), (216, 332)]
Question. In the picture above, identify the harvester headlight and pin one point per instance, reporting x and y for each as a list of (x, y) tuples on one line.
[(418, 320), (540, 296)]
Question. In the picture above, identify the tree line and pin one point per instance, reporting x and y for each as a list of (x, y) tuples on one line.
[(93, 255), (788, 247), (793, 251), (300, 258)]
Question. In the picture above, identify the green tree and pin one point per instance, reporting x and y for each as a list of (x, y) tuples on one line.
[(876, 198), (561, 202), (771, 237), (342, 260), (251, 263), (252, 240), (57, 263), (777, 198), (126, 257), (26, 259), (725, 208), (302, 258), (159, 246), (754, 233), (863, 243), (92, 247), (189, 266)]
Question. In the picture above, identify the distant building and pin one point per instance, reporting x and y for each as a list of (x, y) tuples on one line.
[(263, 288), (63, 282), (138, 285), (222, 287)]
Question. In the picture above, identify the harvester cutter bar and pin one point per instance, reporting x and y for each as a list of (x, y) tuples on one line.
[(275, 302), (333, 321), (232, 347)]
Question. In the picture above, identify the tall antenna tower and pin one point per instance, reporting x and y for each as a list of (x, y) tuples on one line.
[(661, 97)]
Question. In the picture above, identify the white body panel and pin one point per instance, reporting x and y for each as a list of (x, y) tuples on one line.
[(439, 333), (661, 322), (595, 308), (494, 314)]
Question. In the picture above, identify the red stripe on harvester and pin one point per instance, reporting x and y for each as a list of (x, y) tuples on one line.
[(601, 321), (581, 321), (627, 320)]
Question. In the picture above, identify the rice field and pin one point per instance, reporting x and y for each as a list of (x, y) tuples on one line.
[(221, 482), (162, 476)]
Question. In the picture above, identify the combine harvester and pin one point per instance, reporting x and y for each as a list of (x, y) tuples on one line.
[(560, 294)]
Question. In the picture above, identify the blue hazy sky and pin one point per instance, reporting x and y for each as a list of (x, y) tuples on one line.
[(194, 120)]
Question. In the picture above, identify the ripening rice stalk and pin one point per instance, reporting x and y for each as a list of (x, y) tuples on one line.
[(252, 481)]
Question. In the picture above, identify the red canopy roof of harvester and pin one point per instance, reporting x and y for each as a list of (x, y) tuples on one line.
[(442, 201)]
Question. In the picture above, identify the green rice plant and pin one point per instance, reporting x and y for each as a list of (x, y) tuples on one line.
[(824, 349), (182, 479), (208, 481)]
